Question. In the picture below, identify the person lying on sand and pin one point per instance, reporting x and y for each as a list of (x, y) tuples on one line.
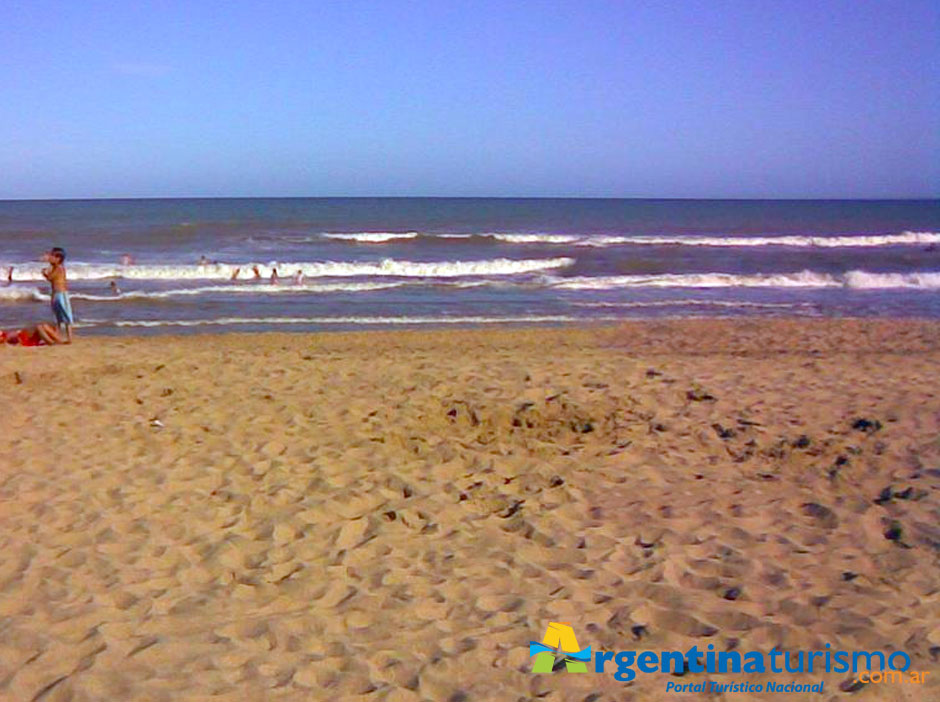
[(38, 335)]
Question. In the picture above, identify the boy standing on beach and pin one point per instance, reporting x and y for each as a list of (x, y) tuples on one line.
[(61, 307)]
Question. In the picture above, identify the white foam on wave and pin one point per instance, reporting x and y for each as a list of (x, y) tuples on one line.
[(858, 280), (320, 269), (285, 288), (906, 238), (372, 237), (863, 280), (16, 292), (805, 279), (231, 321), (537, 238), (799, 241), (855, 240), (696, 302)]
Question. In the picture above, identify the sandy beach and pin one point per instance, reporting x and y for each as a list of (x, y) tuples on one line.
[(394, 516)]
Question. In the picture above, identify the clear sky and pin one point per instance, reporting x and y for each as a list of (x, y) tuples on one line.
[(654, 98)]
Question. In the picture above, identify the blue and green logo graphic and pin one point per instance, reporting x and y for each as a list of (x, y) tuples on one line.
[(559, 642)]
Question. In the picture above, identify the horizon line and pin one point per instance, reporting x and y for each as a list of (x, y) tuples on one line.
[(473, 197)]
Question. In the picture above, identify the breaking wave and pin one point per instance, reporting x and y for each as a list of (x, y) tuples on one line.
[(22, 293), (859, 280), (319, 269), (600, 240), (373, 237)]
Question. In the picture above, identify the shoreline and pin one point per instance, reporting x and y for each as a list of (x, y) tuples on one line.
[(395, 515), (748, 334)]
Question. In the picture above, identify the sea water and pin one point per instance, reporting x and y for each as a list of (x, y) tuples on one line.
[(345, 263)]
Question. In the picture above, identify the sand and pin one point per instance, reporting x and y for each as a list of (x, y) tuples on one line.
[(394, 516)]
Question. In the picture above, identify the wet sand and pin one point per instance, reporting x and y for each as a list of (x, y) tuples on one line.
[(394, 516)]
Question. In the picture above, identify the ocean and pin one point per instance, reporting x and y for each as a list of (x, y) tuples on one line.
[(188, 265)]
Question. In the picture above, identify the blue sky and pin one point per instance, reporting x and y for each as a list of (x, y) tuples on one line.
[(670, 98)]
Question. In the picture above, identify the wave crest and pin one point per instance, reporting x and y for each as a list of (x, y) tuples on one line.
[(23, 293), (906, 238), (858, 280), (321, 269), (372, 237)]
